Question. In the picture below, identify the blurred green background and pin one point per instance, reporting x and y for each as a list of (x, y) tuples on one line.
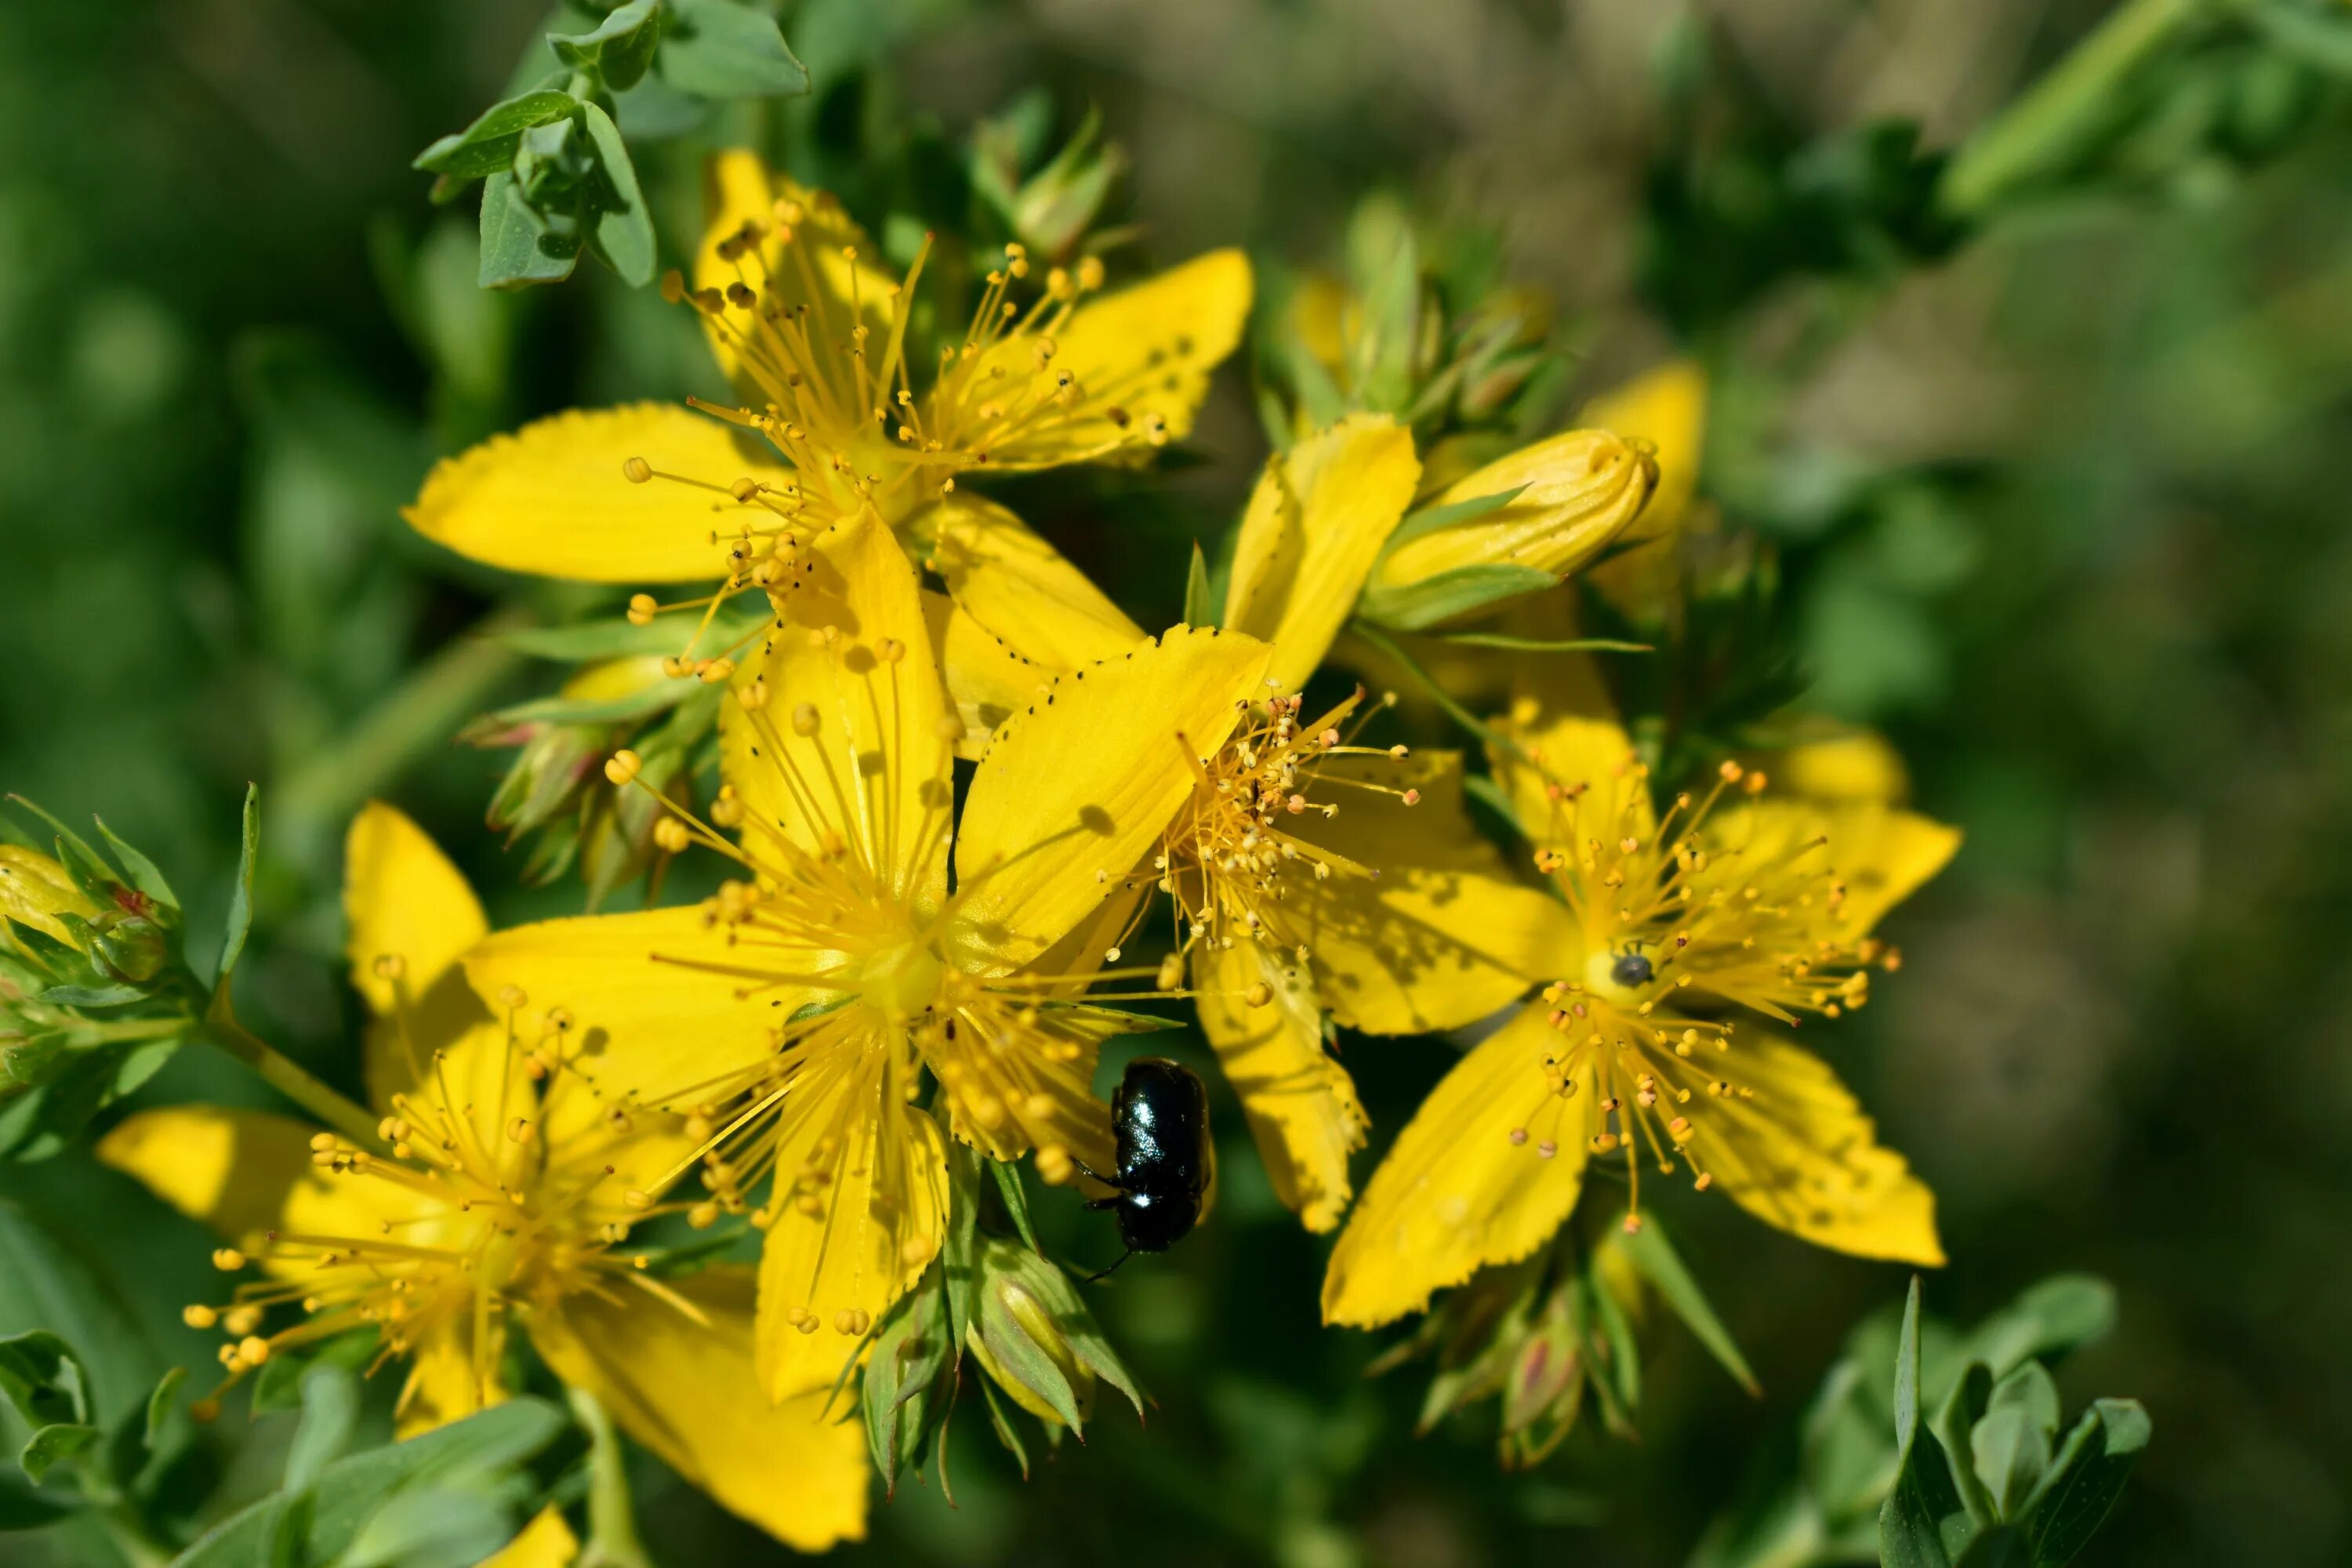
[(2058, 502)]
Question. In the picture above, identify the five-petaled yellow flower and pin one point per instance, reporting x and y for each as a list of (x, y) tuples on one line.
[(836, 416), (793, 1017), (497, 1206), (1673, 928)]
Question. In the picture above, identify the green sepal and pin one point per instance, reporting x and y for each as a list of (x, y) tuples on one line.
[(1429, 519), (1198, 609), (901, 1393), (665, 634), (1651, 1253), (240, 900), (1448, 596)]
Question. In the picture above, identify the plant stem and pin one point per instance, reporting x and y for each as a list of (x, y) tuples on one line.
[(2054, 115), (288, 1078), (613, 1540)]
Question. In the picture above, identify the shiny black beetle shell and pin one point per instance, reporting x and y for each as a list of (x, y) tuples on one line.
[(1159, 1114)]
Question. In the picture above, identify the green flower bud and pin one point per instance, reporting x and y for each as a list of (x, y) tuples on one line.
[(1034, 1339), (131, 948)]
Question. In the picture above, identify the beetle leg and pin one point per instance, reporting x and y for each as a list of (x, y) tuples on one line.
[(1111, 1270)]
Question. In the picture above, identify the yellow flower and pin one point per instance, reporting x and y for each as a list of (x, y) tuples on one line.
[(793, 1017), (1314, 878), (814, 333), (1573, 495), (1668, 925), (497, 1204)]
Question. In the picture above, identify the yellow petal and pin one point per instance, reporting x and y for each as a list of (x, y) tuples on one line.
[(1442, 935), (1301, 1104), (655, 997), (545, 1543), (409, 913), (1854, 768), (852, 747), (686, 1387), (1136, 354), (442, 1383), (1576, 492), (404, 902), (1456, 1192), (826, 267), (987, 681), (1074, 788), (35, 889), (1316, 522), (244, 1173), (1565, 738), (1801, 1156), (1881, 856), (552, 499), (877, 1222), (1018, 587)]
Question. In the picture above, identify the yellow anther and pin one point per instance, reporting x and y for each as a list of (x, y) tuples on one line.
[(622, 767), (636, 470)]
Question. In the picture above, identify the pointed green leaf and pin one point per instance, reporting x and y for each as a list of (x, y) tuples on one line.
[(716, 48), (43, 1378), (1963, 1408), (53, 1446), (488, 146), (520, 244), (2000, 1547), (1429, 519), (161, 1403), (622, 230), (620, 49), (1923, 1522), (1010, 1187), (1463, 591), (1006, 1432), (145, 873), (2082, 1482), (240, 899), (1198, 610), (330, 1410), (1662, 1266)]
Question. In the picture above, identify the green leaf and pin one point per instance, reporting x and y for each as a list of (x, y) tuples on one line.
[(2009, 1454), (161, 1403), (2082, 1482), (1464, 590), (1016, 1200), (1923, 1521), (1543, 644), (240, 899), (46, 1279), (48, 1121), (1198, 610), (350, 1491), (488, 146), (44, 1380), (716, 48), (53, 1446), (1429, 519), (2031, 1387), (901, 1381), (280, 1384), (1662, 1266), (1963, 1408), (638, 704), (143, 872), (430, 1526), (520, 245), (622, 229), (330, 1413), (2045, 1320), (91, 996), (618, 51)]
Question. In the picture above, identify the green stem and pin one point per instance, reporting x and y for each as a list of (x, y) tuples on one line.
[(291, 1080), (423, 711), (1428, 682), (2051, 118), (613, 1540)]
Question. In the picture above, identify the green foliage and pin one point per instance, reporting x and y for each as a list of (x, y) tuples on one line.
[(558, 177), (1962, 1463)]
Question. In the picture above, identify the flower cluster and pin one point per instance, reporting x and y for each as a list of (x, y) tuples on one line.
[(969, 823)]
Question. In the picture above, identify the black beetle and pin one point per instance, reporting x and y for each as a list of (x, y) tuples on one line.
[(1160, 1115)]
